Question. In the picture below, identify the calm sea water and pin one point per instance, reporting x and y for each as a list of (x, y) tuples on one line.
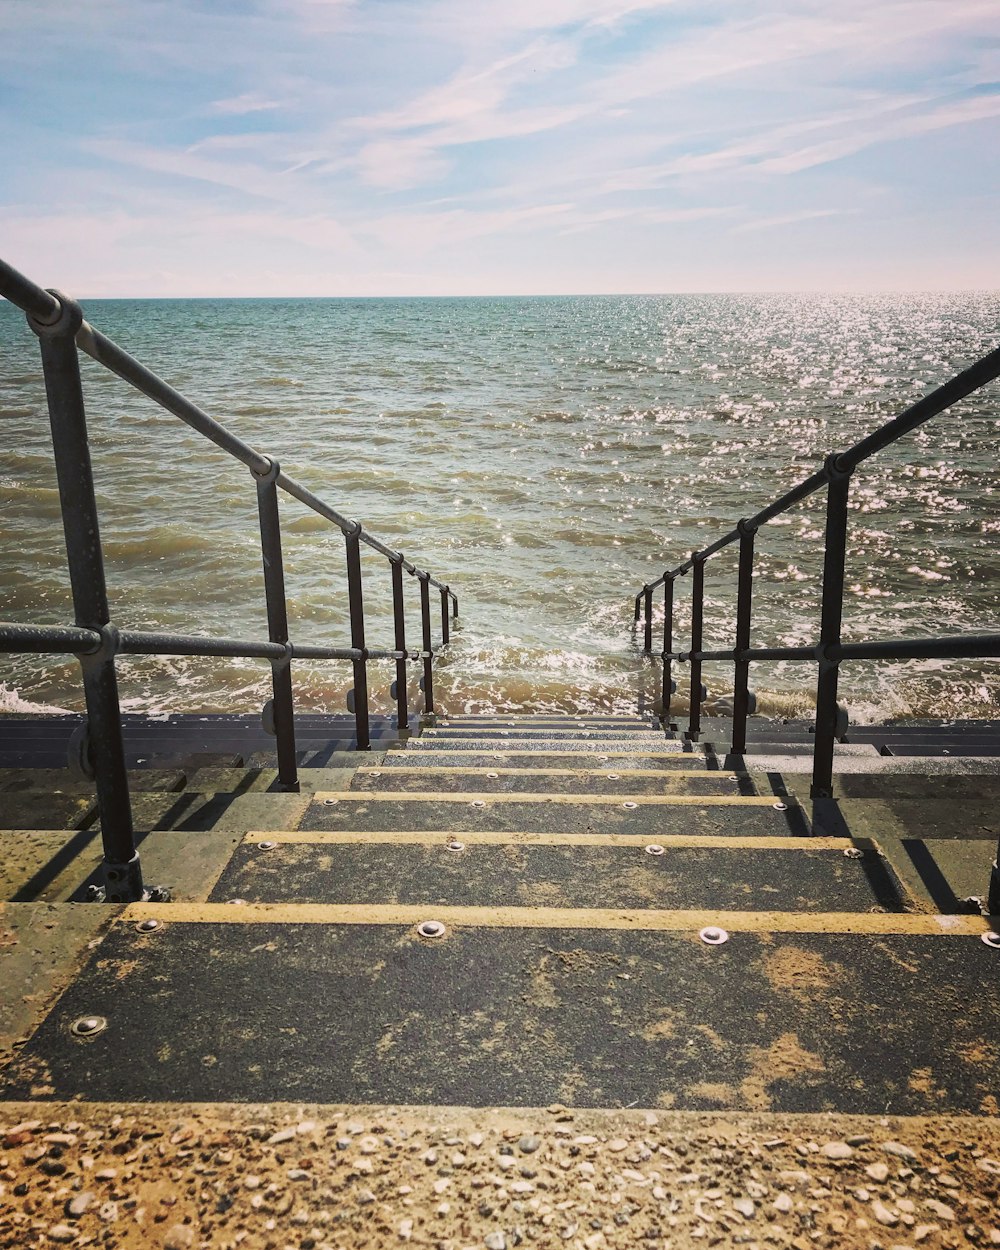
[(545, 457)]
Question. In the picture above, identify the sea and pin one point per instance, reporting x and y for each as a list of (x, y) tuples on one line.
[(543, 456)]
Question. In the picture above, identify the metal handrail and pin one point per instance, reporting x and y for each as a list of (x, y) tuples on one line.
[(62, 331), (828, 652)]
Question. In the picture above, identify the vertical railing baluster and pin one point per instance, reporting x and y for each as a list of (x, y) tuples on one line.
[(445, 637), (647, 609), (668, 645), (357, 610), (427, 647), (399, 624), (67, 416), (697, 621), (744, 614), (834, 560), (277, 625), (454, 606), (638, 606)]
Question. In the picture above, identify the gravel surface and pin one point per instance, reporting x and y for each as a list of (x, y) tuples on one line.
[(189, 1177)]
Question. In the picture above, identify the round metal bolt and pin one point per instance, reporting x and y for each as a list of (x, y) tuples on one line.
[(630, 804), (431, 929), (493, 776), (330, 802), (603, 757), (478, 802), (614, 776), (455, 845), (375, 772), (88, 1026), (992, 939), (654, 848), (266, 846), (236, 902), (780, 807), (853, 852), (713, 935), (147, 926), (497, 755)]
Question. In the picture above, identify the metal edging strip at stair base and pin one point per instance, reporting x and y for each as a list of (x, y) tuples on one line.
[(368, 770)]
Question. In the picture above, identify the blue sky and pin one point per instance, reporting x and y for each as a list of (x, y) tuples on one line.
[(380, 147)]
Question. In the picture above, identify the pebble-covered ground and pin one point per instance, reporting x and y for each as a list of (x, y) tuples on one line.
[(279, 1178)]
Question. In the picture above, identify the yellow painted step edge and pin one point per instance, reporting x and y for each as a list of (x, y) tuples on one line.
[(562, 918)]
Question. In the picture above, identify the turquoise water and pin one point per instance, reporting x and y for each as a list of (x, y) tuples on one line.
[(543, 456)]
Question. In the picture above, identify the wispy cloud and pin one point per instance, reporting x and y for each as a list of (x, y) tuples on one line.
[(462, 143), (248, 102)]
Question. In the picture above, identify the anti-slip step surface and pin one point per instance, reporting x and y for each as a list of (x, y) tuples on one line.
[(554, 781), (672, 762), (738, 816), (259, 1011), (556, 734), (626, 745), (534, 874)]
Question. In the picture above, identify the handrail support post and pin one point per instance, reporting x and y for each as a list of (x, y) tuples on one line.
[(697, 629), (399, 626), (667, 688), (67, 417), (362, 731), (744, 612), (427, 646), (834, 562), (277, 625)]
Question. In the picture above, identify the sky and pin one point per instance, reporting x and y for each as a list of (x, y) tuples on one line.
[(474, 147)]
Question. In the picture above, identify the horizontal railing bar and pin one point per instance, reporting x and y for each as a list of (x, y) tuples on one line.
[(956, 646), (75, 640), (952, 646), (30, 298), (305, 652), (144, 642), (71, 639)]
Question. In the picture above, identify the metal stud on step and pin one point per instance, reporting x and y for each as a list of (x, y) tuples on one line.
[(88, 1026), (147, 926), (630, 804), (712, 935), (853, 852), (780, 807), (266, 846), (236, 902), (478, 802), (375, 772), (455, 845), (992, 939), (431, 929), (654, 848), (614, 776), (493, 776), (330, 802)]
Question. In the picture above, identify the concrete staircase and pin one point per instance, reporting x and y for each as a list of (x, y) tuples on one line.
[(616, 917)]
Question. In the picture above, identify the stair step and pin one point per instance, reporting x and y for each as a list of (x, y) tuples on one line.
[(325, 1005), (667, 761), (551, 873), (539, 813), (553, 734), (549, 781), (611, 746)]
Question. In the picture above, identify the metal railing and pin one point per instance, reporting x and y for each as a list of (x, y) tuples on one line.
[(62, 331), (828, 652)]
